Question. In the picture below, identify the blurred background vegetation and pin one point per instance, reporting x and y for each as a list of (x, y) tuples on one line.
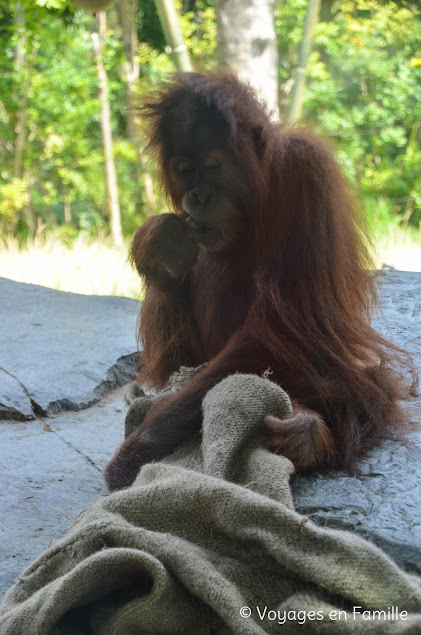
[(363, 92)]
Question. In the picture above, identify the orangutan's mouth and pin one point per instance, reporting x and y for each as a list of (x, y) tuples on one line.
[(194, 224), (205, 234)]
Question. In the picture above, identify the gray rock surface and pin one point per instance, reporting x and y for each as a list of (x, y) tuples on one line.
[(50, 472), (383, 504), (61, 351), (51, 467), (399, 314)]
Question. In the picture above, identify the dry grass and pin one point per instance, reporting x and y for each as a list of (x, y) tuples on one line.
[(399, 248), (96, 267), (88, 266)]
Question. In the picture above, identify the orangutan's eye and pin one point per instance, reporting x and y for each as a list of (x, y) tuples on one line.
[(184, 167), (211, 164)]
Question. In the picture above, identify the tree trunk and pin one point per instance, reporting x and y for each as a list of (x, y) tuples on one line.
[(127, 16), (23, 67), (297, 94), (247, 45), (170, 24), (28, 212), (110, 172), (67, 209)]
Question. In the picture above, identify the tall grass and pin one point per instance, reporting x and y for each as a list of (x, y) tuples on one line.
[(95, 266), (399, 248), (394, 244), (84, 265)]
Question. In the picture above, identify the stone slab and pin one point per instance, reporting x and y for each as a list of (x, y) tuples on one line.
[(398, 317), (382, 504), (62, 351), (51, 467), (50, 472), (14, 400)]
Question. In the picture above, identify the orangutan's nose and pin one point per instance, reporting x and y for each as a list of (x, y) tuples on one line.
[(203, 193)]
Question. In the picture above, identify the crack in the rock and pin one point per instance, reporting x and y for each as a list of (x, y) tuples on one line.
[(16, 379), (70, 445), (36, 408), (124, 370), (121, 372), (38, 411)]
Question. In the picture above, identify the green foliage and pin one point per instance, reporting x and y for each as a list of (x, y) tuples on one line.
[(62, 162), (13, 197), (148, 25), (49, 79), (363, 89), (199, 30)]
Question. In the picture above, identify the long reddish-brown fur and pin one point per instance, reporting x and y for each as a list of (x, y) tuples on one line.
[(293, 295)]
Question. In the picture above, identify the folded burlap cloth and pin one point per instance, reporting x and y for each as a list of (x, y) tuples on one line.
[(208, 541)]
